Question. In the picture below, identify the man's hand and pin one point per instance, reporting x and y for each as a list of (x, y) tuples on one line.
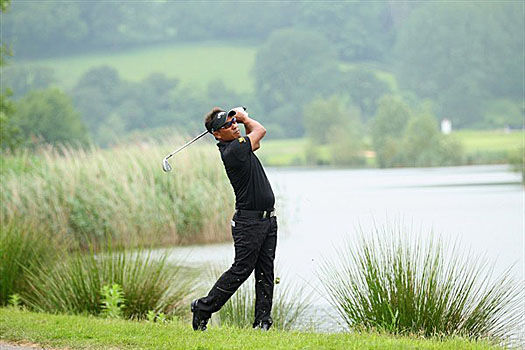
[(240, 114), (254, 130)]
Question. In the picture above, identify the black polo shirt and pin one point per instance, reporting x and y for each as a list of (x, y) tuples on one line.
[(250, 184)]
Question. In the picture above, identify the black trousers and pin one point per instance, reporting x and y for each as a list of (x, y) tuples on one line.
[(255, 240)]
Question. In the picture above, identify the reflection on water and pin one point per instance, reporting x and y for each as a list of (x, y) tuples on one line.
[(319, 208)]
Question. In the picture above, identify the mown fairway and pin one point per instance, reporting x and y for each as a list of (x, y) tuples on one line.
[(194, 65)]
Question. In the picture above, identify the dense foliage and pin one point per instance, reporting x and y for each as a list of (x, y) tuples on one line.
[(49, 116), (402, 136), (461, 60), (462, 55), (76, 26)]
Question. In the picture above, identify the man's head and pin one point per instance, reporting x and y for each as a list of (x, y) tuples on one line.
[(222, 126)]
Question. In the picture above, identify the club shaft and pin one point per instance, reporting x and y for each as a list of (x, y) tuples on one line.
[(186, 145)]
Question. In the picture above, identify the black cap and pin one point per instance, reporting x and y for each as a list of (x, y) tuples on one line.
[(217, 122)]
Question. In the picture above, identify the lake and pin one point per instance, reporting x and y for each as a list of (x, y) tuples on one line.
[(481, 207)]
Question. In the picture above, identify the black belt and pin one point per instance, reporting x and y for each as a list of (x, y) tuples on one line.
[(255, 213)]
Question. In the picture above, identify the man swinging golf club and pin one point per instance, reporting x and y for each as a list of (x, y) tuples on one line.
[(254, 225)]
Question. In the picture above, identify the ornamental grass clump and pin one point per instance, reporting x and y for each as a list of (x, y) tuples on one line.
[(24, 247), (75, 284), (391, 282)]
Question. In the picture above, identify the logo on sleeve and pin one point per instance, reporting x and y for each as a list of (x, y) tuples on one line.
[(241, 139)]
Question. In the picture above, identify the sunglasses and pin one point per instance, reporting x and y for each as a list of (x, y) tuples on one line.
[(227, 125)]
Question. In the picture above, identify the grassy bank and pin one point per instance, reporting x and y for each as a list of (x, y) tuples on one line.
[(193, 64), (480, 146), (489, 146), (79, 332), (489, 140)]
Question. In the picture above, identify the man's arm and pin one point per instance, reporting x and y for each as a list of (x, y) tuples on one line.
[(254, 130)]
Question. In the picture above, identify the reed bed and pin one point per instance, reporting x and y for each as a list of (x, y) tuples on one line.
[(123, 193), (389, 280)]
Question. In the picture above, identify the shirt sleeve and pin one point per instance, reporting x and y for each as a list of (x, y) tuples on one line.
[(238, 151)]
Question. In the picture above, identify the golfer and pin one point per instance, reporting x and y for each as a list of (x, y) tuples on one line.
[(254, 225)]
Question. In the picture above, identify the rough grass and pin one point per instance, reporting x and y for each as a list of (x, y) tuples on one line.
[(194, 65), (78, 332)]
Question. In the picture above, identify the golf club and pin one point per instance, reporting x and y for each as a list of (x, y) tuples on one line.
[(166, 165)]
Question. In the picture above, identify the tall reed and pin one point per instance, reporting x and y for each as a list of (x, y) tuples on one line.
[(74, 283), (290, 304), (388, 280), (123, 193)]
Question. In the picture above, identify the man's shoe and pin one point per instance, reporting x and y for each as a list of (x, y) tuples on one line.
[(199, 323), (263, 325)]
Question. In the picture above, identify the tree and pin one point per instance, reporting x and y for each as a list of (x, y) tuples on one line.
[(359, 30), (9, 133), (403, 136), (336, 124), (49, 114), (364, 89), (22, 79), (424, 145), (97, 92), (292, 68), (505, 112), (461, 53), (40, 28), (10, 137), (517, 161), (388, 128)]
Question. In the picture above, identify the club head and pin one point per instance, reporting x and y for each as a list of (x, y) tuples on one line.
[(165, 165)]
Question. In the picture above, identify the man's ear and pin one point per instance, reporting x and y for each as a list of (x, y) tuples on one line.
[(216, 134)]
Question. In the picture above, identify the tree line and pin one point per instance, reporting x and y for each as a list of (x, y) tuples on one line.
[(314, 63)]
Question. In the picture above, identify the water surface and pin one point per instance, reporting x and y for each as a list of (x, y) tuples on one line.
[(318, 209)]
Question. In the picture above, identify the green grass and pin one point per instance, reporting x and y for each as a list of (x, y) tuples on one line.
[(284, 152), (291, 152), (79, 332), (489, 140), (194, 65)]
